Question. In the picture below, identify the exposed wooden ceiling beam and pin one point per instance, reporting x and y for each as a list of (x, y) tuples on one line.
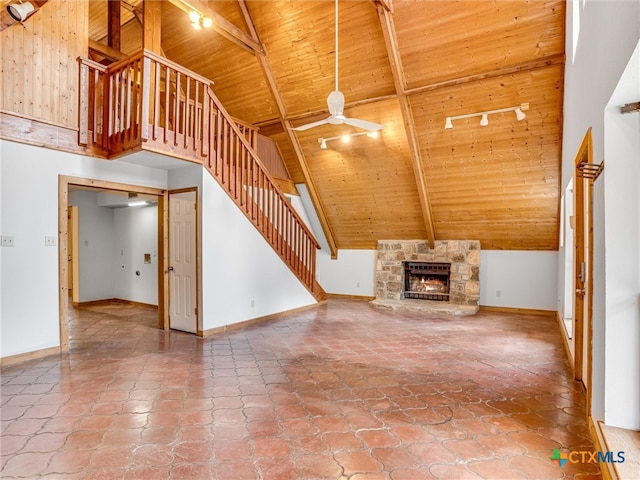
[(526, 66), (386, 4), (152, 26), (113, 24), (521, 67), (399, 79), (221, 25), (286, 124), (105, 51)]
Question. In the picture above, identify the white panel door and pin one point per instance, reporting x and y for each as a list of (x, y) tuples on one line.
[(182, 262)]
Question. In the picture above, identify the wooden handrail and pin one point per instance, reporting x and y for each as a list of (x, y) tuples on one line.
[(178, 68), (255, 158), (151, 101)]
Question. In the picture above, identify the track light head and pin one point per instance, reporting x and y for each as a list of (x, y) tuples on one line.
[(484, 121), (323, 143), (447, 124), (520, 115), (20, 11)]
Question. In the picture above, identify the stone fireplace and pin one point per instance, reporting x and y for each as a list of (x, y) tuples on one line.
[(444, 279)]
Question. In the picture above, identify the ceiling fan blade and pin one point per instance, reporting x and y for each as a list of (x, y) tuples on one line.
[(364, 124), (307, 126)]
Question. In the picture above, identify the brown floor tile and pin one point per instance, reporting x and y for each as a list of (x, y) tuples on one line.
[(340, 391)]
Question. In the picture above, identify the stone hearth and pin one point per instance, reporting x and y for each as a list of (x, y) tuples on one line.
[(464, 256)]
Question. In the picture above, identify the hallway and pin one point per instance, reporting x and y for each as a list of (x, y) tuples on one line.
[(341, 391)]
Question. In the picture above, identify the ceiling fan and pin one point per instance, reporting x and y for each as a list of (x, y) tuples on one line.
[(335, 102)]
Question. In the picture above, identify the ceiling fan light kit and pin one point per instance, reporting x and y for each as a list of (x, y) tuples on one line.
[(198, 20), (346, 138), (335, 102), (484, 120)]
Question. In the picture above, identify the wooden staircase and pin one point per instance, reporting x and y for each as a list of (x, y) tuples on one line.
[(148, 102)]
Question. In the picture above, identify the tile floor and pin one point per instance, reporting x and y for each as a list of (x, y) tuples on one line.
[(341, 391)]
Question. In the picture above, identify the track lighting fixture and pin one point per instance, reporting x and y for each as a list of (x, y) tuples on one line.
[(484, 121), (19, 11), (198, 20), (346, 138)]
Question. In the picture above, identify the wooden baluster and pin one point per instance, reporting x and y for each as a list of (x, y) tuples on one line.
[(96, 104), (167, 104), (280, 224), (156, 100), (185, 113), (176, 115), (218, 141), (243, 179), (233, 159), (197, 120), (124, 104), (206, 127), (136, 104), (146, 92), (225, 152), (121, 86)]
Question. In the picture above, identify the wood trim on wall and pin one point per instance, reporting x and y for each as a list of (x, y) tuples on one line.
[(163, 272), (523, 311), (107, 301), (41, 133), (254, 321), (340, 296), (565, 342), (24, 357)]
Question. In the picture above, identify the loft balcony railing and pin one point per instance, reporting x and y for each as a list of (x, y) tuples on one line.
[(148, 102)]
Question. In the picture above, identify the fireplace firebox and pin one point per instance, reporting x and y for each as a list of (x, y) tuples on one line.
[(427, 280)]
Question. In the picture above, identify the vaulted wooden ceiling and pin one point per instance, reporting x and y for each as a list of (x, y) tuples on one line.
[(408, 64)]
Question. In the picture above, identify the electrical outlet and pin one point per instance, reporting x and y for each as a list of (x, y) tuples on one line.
[(253, 303), (357, 284), (7, 241), (498, 293), (50, 241)]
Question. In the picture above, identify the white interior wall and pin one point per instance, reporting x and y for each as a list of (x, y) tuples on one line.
[(352, 273), (518, 279), (601, 37), (112, 243), (242, 276), (622, 238), (30, 312), (136, 233), (96, 243)]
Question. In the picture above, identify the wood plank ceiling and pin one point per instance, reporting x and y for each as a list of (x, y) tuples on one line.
[(408, 64)]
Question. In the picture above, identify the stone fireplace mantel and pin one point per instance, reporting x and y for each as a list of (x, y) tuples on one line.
[(464, 257)]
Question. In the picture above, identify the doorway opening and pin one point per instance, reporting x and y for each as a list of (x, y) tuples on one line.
[(69, 244)]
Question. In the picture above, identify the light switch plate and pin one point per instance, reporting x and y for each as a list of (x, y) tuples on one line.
[(50, 241)]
